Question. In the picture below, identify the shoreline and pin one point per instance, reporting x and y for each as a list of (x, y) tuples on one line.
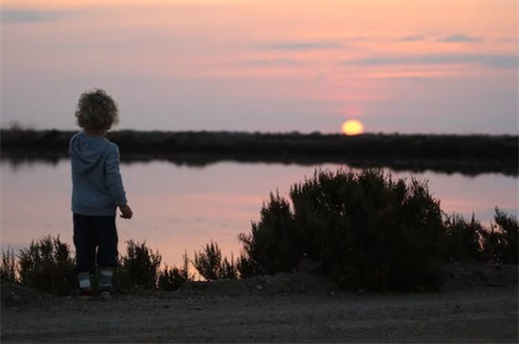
[(466, 154)]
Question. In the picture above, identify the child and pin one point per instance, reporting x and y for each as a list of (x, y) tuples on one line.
[(97, 191)]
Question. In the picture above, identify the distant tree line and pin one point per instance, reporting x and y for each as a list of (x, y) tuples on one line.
[(455, 153)]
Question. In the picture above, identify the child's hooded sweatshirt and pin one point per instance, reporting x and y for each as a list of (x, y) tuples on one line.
[(97, 187)]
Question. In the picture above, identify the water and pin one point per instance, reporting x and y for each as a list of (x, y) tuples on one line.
[(179, 209)]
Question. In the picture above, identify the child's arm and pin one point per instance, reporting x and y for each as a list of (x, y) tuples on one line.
[(115, 183)]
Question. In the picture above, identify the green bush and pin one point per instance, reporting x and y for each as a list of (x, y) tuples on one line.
[(173, 278), (363, 226), (209, 264), (47, 265), (139, 268)]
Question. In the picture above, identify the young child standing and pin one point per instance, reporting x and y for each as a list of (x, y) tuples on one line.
[(97, 191)]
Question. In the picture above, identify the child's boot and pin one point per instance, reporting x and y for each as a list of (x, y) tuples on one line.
[(85, 288), (105, 283)]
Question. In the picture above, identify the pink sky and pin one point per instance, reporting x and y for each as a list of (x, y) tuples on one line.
[(398, 66)]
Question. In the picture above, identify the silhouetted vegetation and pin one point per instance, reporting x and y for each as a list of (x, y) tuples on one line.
[(364, 230), (210, 265), (469, 154), (9, 265), (371, 232), (464, 239), (501, 243), (139, 268), (362, 227), (47, 265), (173, 278)]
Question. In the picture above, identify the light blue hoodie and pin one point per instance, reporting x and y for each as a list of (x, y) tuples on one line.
[(97, 187)]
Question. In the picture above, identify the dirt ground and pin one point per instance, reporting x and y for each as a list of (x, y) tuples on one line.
[(476, 305)]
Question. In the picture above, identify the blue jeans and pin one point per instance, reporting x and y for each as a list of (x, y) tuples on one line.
[(95, 239)]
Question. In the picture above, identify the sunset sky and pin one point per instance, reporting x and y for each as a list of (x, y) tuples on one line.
[(397, 66)]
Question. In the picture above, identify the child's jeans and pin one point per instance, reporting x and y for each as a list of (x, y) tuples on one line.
[(95, 239)]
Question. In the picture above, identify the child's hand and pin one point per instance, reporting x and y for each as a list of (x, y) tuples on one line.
[(126, 211)]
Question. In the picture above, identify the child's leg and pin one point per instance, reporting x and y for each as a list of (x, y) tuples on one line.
[(107, 250), (84, 242)]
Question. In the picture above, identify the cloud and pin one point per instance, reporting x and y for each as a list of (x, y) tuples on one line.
[(19, 16), (269, 62), (26, 16), (413, 38), (457, 38), (508, 40), (298, 46), (493, 61)]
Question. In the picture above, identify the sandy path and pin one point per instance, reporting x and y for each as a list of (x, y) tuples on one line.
[(481, 314)]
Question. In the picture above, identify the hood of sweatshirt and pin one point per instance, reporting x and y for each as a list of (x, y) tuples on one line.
[(86, 151)]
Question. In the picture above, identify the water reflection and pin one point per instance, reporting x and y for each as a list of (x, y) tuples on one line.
[(180, 208), (202, 160)]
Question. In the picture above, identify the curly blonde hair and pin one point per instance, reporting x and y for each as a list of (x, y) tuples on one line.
[(96, 110)]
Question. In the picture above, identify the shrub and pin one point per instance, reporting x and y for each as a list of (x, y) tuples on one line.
[(138, 268), (464, 239), (209, 264), (8, 267), (270, 247), (173, 278), (501, 242), (369, 231), (508, 252), (228, 270), (246, 266), (47, 266)]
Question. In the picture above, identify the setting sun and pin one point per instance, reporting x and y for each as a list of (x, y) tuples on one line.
[(352, 127)]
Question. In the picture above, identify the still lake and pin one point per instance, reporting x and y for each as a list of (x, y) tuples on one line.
[(179, 208)]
